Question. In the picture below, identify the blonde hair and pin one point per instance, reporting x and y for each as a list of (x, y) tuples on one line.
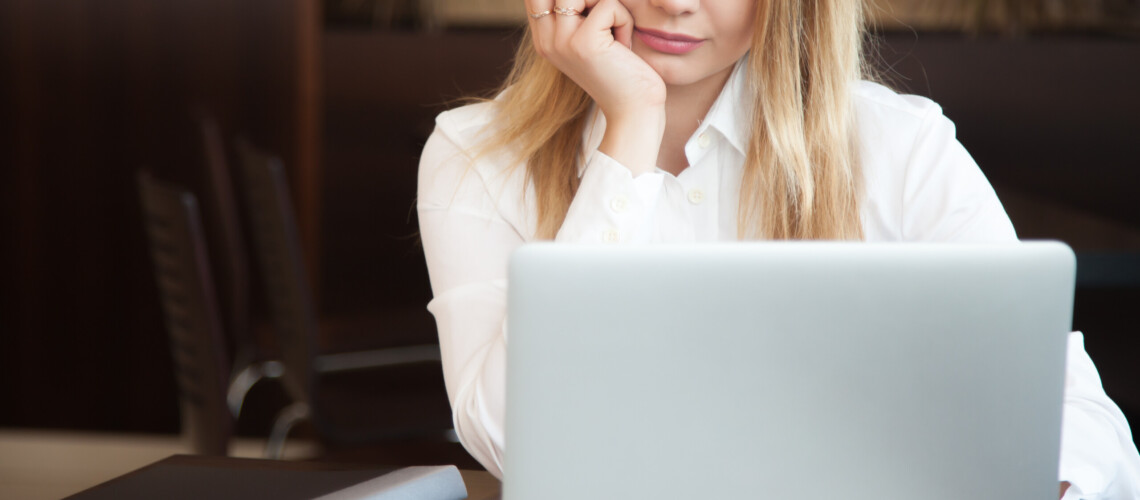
[(802, 177)]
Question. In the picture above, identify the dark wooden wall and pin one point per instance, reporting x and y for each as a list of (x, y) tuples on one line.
[(383, 90), (92, 91)]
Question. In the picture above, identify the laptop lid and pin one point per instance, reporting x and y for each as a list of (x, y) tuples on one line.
[(786, 370)]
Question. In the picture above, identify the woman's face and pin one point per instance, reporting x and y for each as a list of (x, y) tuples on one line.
[(689, 41)]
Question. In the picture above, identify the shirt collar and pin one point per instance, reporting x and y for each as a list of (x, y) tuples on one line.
[(728, 115), (731, 111)]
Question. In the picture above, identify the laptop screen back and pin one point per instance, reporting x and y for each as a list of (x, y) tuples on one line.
[(786, 370)]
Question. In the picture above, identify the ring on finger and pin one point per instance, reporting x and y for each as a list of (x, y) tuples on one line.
[(539, 15), (566, 11)]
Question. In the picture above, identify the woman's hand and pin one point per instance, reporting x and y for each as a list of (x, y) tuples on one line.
[(594, 50)]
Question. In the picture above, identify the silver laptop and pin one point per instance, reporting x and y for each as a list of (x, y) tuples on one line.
[(786, 370)]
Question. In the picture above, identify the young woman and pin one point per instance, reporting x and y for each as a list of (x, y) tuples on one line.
[(687, 120)]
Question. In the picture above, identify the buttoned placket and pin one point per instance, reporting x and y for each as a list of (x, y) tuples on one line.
[(619, 205), (700, 182)]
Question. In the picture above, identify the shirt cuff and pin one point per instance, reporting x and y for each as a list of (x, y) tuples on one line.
[(1078, 478), (611, 205), (1093, 430)]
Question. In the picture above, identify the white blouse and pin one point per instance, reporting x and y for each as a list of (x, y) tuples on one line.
[(921, 185)]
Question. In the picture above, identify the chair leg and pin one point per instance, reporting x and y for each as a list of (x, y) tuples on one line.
[(244, 380), (286, 419)]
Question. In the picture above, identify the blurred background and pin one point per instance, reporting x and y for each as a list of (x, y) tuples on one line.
[(1045, 93)]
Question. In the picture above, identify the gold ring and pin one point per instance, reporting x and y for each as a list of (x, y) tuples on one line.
[(564, 11), (540, 15)]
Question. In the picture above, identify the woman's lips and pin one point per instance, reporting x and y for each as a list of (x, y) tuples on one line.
[(669, 43)]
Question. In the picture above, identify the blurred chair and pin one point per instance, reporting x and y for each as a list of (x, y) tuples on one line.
[(250, 363), (197, 344), (334, 401)]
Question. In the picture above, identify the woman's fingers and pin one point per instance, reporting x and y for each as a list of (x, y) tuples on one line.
[(568, 18), (538, 9), (553, 24), (540, 16), (623, 26), (609, 21), (594, 51)]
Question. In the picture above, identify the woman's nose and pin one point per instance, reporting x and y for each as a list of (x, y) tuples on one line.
[(677, 7)]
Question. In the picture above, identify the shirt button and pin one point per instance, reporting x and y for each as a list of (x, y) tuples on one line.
[(610, 236), (703, 140), (696, 196), (619, 204)]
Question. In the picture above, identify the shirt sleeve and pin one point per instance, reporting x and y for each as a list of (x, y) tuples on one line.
[(467, 244), (468, 234), (1098, 455), (947, 198)]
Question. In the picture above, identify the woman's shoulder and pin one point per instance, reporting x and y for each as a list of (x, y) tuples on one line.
[(468, 131), (457, 171), (884, 102), (891, 125), (921, 183), (467, 125)]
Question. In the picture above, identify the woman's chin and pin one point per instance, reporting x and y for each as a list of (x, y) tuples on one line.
[(674, 78), (671, 70)]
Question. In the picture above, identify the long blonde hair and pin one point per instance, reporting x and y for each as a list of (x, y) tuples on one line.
[(802, 177)]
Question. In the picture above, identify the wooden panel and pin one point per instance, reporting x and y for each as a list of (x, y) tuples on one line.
[(475, 12), (383, 92), (94, 90)]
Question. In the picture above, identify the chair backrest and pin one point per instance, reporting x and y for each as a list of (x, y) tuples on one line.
[(182, 271), (221, 212), (277, 250)]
